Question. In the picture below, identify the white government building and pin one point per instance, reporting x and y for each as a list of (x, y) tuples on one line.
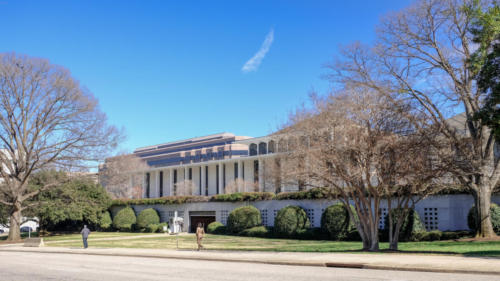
[(225, 163)]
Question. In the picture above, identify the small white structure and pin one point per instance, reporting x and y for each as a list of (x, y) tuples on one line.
[(176, 223)]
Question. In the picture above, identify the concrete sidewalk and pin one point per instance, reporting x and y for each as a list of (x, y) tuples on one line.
[(386, 261)]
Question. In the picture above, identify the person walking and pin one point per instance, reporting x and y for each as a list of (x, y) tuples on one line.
[(85, 234), (200, 232)]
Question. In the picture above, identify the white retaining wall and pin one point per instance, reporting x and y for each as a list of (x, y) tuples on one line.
[(443, 212)]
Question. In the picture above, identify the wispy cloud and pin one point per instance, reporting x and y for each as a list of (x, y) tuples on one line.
[(253, 63)]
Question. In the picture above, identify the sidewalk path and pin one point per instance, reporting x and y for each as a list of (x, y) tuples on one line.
[(409, 262)]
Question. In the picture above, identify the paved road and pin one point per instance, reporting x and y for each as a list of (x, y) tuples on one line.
[(43, 266)]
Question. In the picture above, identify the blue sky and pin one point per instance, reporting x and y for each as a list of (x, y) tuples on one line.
[(168, 70)]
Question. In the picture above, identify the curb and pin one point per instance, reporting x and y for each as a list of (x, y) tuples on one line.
[(272, 262)]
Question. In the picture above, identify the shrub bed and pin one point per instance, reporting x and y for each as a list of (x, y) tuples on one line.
[(256, 231), (216, 228), (495, 218), (125, 219), (412, 227), (243, 218), (242, 196), (147, 217), (291, 220), (105, 221), (335, 221)]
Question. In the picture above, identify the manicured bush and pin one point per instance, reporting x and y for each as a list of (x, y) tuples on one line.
[(125, 219), (147, 217), (434, 235), (291, 220), (152, 228), (160, 227), (243, 218), (216, 228), (314, 233), (105, 221), (495, 218), (335, 221), (256, 231), (411, 227)]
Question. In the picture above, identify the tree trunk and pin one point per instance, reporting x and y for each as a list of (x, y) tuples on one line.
[(482, 199), (393, 244), (15, 223)]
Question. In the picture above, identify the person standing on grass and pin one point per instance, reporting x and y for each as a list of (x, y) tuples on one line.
[(200, 232), (85, 234)]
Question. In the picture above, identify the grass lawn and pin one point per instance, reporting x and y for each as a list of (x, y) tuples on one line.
[(224, 242), (77, 236)]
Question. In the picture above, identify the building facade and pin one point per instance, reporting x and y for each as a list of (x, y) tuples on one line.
[(225, 163)]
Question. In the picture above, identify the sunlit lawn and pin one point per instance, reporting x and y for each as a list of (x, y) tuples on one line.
[(223, 242)]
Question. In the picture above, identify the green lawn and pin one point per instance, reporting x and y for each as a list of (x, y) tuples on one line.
[(223, 242)]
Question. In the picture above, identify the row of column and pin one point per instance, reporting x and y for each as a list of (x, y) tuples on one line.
[(204, 184)]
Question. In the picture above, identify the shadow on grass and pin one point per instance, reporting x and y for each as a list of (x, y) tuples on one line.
[(24, 235), (487, 254)]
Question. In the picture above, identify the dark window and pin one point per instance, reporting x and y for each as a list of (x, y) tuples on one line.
[(243, 170), (190, 174), (147, 184), (223, 177), (161, 183), (271, 147), (217, 179), (206, 180), (256, 170), (262, 148), (175, 182), (200, 181), (235, 171), (253, 149)]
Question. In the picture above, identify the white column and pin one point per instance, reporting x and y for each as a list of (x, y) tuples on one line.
[(203, 182), (240, 181), (261, 175), (171, 182), (185, 179), (221, 181)]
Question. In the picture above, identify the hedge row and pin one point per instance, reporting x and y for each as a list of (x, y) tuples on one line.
[(315, 193), (148, 220)]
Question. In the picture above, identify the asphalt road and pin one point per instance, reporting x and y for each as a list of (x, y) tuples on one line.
[(40, 266)]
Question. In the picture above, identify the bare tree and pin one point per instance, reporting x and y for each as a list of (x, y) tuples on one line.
[(122, 175), (367, 149), (47, 120), (185, 188), (423, 53)]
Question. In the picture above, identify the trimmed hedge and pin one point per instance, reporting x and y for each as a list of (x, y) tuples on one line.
[(495, 218), (242, 218), (313, 193), (152, 228), (411, 228), (243, 196), (125, 219), (147, 217), (291, 220), (256, 231), (169, 200), (105, 221), (160, 227), (216, 228), (335, 221)]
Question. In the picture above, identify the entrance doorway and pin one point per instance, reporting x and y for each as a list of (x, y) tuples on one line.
[(203, 217)]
